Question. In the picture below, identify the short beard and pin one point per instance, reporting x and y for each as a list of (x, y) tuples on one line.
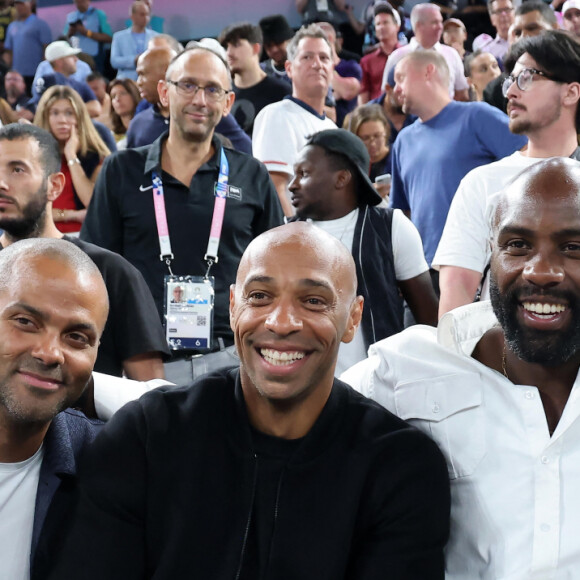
[(33, 219), (548, 348)]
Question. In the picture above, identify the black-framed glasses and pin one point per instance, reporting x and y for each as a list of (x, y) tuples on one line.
[(189, 89), (524, 80)]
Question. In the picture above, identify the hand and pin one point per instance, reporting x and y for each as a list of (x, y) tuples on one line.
[(72, 145), (384, 190)]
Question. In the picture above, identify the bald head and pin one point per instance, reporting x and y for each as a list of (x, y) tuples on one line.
[(151, 68), (535, 264), (313, 247)]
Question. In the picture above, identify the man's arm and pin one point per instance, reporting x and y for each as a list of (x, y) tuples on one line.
[(419, 294), (458, 287), (281, 181), (144, 366)]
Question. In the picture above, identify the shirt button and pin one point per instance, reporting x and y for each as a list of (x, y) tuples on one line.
[(545, 459), (545, 528), (529, 395), (436, 408)]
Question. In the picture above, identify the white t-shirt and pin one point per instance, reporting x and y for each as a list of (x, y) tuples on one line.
[(465, 241), (18, 485), (281, 131), (408, 257)]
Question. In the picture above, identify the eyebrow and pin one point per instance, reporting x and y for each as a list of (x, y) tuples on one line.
[(306, 282), (526, 232)]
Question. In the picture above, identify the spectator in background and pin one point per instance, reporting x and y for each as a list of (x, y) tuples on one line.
[(63, 59), (455, 35), (98, 84), (277, 34), (371, 126), (571, 16), (155, 22), (501, 14), (387, 23), (15, 89), (87, 27), (281, 129), (26, 39), (318, 10), (165, 41), (431, 157), (128, 44), (124, 96), (480, 69), (427, 24), (254, 89), (7, 15), (346, 79), (62, 112)]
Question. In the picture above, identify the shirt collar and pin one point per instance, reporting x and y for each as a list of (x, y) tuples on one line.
[(305, 106)]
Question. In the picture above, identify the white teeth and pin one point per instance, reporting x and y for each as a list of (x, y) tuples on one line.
[(280, 358), (545, 308)]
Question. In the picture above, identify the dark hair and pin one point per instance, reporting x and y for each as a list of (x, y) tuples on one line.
[(241, 31), (538, 6), (384, 8), (556, 52), (130, 86), (96, 76), (49, 150)]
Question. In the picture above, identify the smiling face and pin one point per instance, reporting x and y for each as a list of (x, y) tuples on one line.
[(291, 307), (194, 117), (535, 266), (50, 329)]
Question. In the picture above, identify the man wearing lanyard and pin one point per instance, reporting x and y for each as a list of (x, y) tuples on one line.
[(169, 206)]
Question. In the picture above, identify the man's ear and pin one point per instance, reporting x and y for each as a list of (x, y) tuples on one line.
[(572, 94), (55, 185), (229, 103), (257, 48), (288, 68), (354, 318), (163, 90), (342, 178)]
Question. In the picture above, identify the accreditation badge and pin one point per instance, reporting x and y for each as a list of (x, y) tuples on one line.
[(189, 304)]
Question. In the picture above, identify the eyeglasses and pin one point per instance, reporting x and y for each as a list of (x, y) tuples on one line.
[(189, 89), (371, 138), (502, 11), (524, 80)]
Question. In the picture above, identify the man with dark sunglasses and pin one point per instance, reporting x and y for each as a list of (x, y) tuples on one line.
[(542, 91)]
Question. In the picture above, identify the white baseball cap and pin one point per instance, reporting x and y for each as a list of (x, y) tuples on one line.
[(59, 49)]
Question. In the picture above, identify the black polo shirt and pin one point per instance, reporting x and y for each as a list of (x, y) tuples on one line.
[(121, 218)]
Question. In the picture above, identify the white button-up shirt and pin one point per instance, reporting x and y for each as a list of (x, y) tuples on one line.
[(515, 491)]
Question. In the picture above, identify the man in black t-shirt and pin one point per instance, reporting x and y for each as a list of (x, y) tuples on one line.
[(254, 89), (133, 341)]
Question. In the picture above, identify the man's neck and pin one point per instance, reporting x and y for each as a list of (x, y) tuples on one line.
[(438, 103), (137, 29), (19, 442), (43, 229), (388, 45), (163, 111), (313, 101), (249, 78), (182, 159), (553, 141), (425, 46)]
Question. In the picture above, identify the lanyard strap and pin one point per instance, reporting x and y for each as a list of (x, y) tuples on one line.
[(221, 189)]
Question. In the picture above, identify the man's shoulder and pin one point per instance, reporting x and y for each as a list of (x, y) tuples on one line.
[(73, 430), (498, 171)]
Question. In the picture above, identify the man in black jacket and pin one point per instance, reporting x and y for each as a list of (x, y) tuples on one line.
[(275, 470)]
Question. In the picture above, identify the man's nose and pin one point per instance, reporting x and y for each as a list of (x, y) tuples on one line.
[(283, 319), (544, 270)]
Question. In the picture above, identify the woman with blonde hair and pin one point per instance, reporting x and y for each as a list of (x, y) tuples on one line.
[(124, 100), (369, 123), (61, 111)]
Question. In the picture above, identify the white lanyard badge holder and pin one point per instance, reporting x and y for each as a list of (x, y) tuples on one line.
[(189, 300)]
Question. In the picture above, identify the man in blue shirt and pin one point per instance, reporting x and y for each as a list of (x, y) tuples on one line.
[(431, 156), (26, 39), (90, 30)]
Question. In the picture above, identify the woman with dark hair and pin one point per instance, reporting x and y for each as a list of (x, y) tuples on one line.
[(480, 69), (61, 111), (124, 99)]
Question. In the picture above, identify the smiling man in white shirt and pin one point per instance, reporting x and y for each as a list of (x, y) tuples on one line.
[(502, 400)]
